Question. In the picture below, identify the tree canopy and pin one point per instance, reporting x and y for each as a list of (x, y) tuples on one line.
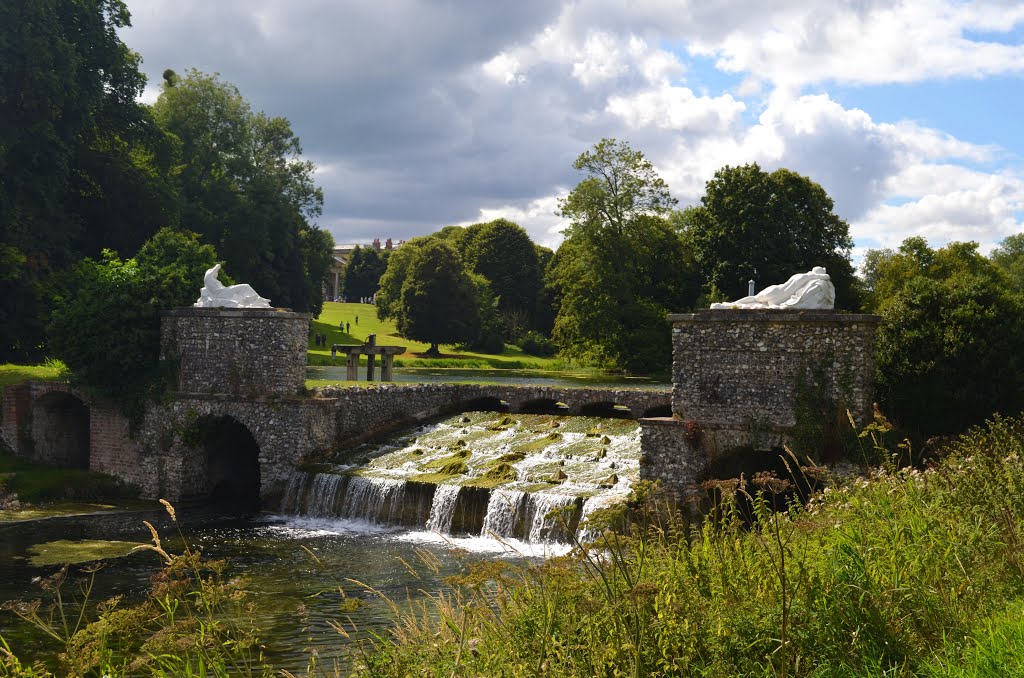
[(106, 324), (621, 266), (246, 190), (752, 224), (82, 164), (948, 349), (438, 300), (362, 272)]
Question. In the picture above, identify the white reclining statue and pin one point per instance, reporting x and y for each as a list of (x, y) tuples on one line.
[(214, 294), (813, 290)]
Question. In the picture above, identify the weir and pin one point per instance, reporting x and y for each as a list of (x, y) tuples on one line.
[(739, 378)]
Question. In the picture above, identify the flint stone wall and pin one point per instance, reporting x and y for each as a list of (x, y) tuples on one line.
[(733, 366), (738, 377), (239, 351)]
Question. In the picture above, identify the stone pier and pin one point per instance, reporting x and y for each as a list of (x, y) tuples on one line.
[(740, 378)]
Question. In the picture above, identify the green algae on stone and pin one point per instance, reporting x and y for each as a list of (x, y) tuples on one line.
[(69, 551)]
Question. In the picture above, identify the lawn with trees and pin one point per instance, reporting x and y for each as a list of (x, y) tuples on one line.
[(111, 210)]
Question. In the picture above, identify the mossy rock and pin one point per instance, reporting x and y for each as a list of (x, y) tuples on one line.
[(455, 468), (511, 457), (559, 476), (610, 481), (502, 471), (457, 458), (605, 440)]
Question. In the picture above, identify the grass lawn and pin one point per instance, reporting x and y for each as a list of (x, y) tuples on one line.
[(387, 334), (14, 374)]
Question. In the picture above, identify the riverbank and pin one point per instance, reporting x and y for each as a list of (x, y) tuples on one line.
[(904, 572)]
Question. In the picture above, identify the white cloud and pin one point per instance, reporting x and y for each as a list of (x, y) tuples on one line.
[(539, 217), (676, 108), (423, 114)]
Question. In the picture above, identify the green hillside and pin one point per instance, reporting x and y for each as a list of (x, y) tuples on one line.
[(387, 334)]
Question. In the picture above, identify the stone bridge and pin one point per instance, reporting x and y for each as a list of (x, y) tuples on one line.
[(230, 446)]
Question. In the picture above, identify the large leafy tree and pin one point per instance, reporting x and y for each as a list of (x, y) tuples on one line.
[(106, 325), (246, 189), (948, 349), (82, 164), (362, 273), (753, 224), (621, 266), (1009, 258), (502, 252), (438, 302)]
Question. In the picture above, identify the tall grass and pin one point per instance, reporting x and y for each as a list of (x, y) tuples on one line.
[(906, 572), (195, 622)]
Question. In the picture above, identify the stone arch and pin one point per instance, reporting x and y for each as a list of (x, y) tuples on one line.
[(484, 404), (664, 410), (543, 406), (230, 461), (606, 408), (60, 429)]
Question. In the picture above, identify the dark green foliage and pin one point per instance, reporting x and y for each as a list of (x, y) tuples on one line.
[(106, 326), (1009, 258), (438, 302), (752, 224), (502, 252), (949, 349), (621, 267), (362, 273), (82, 165), (246, 190), (490, 338), (535, 343)]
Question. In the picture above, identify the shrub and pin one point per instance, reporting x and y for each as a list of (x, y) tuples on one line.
[(536, 344)]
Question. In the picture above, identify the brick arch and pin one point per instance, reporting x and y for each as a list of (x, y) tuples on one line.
[(60, 429)]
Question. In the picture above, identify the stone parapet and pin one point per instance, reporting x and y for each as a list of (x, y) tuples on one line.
[(743, 375), (235, 351)]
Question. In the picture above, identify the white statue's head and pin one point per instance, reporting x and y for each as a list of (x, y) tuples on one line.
[(818, 269)]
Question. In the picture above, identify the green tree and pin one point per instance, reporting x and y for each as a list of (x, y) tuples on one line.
[(1009, 258), (83, 166), (752, 224), (621, 266), (246, 189), (947, 352), (106, 325), (439, 300), (502, 252), (363, 272)]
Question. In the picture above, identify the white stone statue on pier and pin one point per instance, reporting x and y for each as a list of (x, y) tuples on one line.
[(812, 290), (215, 295)]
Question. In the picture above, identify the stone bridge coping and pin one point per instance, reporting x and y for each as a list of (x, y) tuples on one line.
[(772, 315)]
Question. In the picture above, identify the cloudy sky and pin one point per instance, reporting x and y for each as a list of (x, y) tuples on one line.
[(424, 113)]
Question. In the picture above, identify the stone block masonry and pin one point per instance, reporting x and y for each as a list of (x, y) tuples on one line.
[(242, 352), (741, 377)]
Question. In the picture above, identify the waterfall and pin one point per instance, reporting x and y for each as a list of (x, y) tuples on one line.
[(443, 508), (549, 517), (378, 500), (442, 477), (503, 513)]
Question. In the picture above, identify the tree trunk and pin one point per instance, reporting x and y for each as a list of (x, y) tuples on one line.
[(434, 351)]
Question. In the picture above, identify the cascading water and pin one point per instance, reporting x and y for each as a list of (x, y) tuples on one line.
[(529, 477), (442, 508)]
